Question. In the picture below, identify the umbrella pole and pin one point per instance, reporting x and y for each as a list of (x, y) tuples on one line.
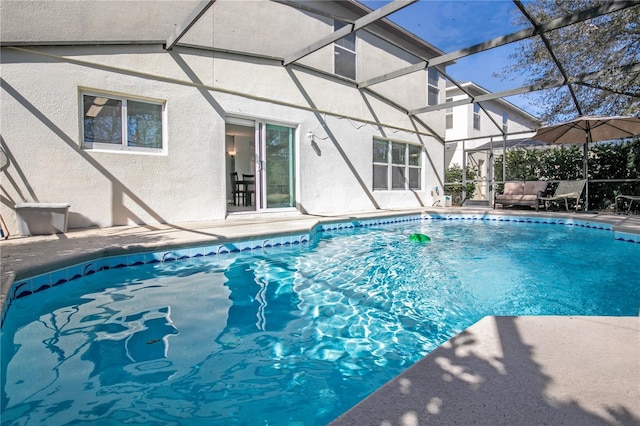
[(586, 176), (586, 167)]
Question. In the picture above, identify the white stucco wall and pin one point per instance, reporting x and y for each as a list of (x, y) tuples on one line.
[(518, 121), (41, 121), (88, 20), (41, 129)]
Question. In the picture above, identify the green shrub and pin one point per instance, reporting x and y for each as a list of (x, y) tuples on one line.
[(608, 160), (453, 179)]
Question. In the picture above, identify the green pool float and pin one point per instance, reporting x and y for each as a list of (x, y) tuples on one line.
[(419, 238)]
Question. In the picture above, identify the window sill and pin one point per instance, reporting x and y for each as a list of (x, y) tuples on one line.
[(123, 150)]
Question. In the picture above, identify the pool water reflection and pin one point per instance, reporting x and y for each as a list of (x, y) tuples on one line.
[(293, 335)]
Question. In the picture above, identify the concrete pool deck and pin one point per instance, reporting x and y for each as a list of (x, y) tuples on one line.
[(516, 371), (502, 370)]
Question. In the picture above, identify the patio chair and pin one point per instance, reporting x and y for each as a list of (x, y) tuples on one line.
[(566, 190), (237, 190), (249, 188), (630, 198)]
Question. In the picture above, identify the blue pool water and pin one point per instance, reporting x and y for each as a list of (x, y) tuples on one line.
[(291, 335)]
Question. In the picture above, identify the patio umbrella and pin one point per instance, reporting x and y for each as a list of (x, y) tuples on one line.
[(586, 129)]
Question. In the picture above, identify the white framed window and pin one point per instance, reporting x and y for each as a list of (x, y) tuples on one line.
[(396, 165), (433, 92), (476, 116), (344, 53), (115, 122), (449, 115), (505, 122)]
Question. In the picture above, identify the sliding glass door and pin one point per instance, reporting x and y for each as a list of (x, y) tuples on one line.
[(276, 166), (260, 165)]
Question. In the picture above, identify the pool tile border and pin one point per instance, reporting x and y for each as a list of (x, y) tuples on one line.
[(35, 284), (480, 217)]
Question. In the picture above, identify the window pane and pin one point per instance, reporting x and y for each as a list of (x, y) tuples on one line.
[(380, 151), (449, 115), (414, 178), (345, 62), (280, 173), (476, 121), (102, 120), (144, 124), (380, 177), (348, 41), (397, 178), (398, 153), (449, 121), (433, 94), (414, 155), (433, 76)]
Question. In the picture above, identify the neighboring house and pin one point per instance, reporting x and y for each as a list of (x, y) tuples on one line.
[(477, 131), (99, 110)]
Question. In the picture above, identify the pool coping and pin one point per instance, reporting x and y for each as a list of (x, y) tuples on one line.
[(572, 370), (32, 264)]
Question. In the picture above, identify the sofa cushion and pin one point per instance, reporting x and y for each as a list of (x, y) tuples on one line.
[(526, 199), (533, 187), (513, 188)]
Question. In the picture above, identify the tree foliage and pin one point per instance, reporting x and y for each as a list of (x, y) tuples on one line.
[(453, 178), (600, 44)]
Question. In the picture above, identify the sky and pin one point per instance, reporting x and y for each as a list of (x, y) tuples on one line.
[(454, 24)]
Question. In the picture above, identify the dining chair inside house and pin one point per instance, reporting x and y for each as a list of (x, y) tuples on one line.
[(249, 188), (237, 190)]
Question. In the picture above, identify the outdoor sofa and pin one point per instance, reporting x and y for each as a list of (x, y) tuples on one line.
[(521, 193)]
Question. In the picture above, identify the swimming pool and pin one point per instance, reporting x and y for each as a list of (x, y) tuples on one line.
[(291, 334)]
